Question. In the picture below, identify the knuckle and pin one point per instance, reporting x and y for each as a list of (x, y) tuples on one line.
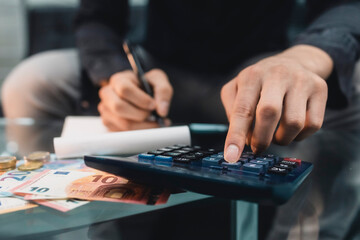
[(124, 124), (165, 90), (268, 112), (156, 71), (143, 116), (314, 124), (294, 124), (243, 111), (321, 85), (124, 90), (300, 75), (119, 107), (279, 69), (225, 89), (100, 107), (103, 92), (253, 71), (170, 89), (223, 94), (145, 102), (114, 79), (235, 137)]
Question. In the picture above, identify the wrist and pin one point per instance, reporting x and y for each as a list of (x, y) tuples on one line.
[(311, 58)]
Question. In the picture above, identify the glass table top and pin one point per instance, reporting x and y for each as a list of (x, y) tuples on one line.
[(325, 207), (20, 137)]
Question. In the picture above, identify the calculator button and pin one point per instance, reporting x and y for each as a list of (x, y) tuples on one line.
[(191, 156), (188, 149), (278, 170), (217, 155), (236, 165), (182, 160), (181, 145), (261, 162), (172, 154), (206, 153), (211, 150), (199, 154), (290, 163), (210, 161), (163, 158), (276, 158), (163, 163), (243, 160), (219, 159), (217, 167), (197, 147), (174, 147), (271, 161), (254, 168), (181, 151), (285, 166), (156, 152), (165, 149), (247, 156), (298, 161), (146, 156)]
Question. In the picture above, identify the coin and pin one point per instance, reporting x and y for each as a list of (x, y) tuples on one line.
[(7, 169), (38, 156), (7, 162), (29, 166)]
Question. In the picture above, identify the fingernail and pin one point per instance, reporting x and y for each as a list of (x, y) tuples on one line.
[(163, 108), (231, 154)]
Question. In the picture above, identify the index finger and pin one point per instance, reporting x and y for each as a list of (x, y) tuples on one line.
[(241, 118)]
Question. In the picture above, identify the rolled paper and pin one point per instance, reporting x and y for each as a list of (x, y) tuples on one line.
[(121, 143)]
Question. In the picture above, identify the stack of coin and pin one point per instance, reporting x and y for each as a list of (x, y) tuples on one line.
[(39, 156), (29, 166), (34, 161), (7, 163)]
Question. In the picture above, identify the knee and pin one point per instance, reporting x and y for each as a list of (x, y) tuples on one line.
[(22, 85)]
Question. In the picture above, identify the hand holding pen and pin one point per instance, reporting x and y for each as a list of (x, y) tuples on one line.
[(124, 104), (136, 67)]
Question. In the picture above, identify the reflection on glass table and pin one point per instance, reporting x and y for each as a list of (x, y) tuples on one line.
[(325, 207), (97, 219)]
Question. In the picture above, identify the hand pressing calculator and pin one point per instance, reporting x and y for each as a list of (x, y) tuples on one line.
[(266, 179)]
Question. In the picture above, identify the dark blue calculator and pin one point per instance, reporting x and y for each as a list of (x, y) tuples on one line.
[(265, 179)]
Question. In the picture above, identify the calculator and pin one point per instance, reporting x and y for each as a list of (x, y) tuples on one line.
[(260, 178)]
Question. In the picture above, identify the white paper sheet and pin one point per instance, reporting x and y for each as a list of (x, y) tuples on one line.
[(116, 143), (75, 126)]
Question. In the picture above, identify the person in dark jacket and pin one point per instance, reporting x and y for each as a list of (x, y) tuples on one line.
[(272, 89)]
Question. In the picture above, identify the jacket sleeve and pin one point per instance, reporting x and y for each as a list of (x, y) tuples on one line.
[(337, 32), (100, 27)]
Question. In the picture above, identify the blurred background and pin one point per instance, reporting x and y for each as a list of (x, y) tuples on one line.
[(31, 26)]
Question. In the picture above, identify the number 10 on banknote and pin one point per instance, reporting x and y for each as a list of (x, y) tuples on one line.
[(88, 185)]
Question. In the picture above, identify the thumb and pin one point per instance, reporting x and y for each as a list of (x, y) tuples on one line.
[(162, 88)]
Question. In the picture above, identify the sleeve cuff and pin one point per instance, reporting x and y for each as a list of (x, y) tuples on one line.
[(102, 67), (101, 52), (344, 50)]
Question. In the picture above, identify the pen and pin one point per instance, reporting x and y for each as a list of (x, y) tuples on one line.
[(136, 67)]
